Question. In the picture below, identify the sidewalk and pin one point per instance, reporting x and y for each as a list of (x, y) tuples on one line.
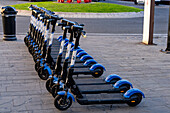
[(21, 90)]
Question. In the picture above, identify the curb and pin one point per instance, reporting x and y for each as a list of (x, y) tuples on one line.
[(90, 15)]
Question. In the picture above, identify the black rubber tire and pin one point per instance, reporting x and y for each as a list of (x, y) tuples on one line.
[(37, 65), (62, 104), (135, 97), (97, 72), (124, 88), (43, 74), (49, 84), (25, 40)]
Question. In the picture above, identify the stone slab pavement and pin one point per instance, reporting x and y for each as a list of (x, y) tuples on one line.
[(21, 90)]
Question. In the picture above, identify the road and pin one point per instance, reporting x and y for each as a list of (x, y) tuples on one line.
[(114, 25)]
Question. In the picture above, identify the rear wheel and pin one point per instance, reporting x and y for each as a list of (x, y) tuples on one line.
[(135, 99), (97, 72), (123, 88), (62, 103)]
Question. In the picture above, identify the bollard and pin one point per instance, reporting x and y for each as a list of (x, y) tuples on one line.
[(9, 22)]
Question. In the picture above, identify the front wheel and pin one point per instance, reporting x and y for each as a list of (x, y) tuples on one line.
[(49, 84), (37, 65), (135, 99), (55, 89), (62, 103), (43, 74)]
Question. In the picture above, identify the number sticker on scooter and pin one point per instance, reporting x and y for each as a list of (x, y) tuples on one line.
[(68, 51), (46, 34), (62, 47), (73, 59)]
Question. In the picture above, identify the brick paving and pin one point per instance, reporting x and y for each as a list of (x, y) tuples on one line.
[(144, 66), (21, 91)]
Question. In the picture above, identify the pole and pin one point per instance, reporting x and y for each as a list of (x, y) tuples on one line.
[(148, 22), (168, 40)]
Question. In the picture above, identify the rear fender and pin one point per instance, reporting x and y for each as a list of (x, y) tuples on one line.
[(65, 45), (73, 48), (80, 54), (83, 58), (79, 50), (66, 40), (89, 62), (95, 66), (122, 82), (111, 77), (60, 37), (130, 92)]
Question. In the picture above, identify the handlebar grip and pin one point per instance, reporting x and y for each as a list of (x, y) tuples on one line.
[(83, 33), (59, 24)]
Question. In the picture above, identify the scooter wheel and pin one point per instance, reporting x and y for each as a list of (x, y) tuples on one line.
[(43, 74), (62, 103), (55, 89), (49, 84), (124, 88), (37, 65), (97, 72), (25, 40), (135, 99)]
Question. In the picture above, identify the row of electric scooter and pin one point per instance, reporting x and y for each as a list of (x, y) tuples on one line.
[(72, 60)]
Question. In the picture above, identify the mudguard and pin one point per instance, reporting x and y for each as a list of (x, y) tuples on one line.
[(85, 57), (130, 92), (81, 53), (60, 40), (66, 44), (48, 69), (93, 67), (60, 37), (111, 77), (122, 82), (78, 50), (73, 48), (68, 94), (89, 61)]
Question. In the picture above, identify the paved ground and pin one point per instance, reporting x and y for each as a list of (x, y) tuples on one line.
[(144, 66), (21, 91)]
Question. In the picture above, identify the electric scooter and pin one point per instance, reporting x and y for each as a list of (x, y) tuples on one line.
[(64, 98)]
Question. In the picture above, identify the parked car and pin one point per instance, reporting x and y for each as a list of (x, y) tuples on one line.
[(157, 2)]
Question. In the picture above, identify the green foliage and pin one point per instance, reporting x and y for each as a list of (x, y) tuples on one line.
[(82, 7)]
